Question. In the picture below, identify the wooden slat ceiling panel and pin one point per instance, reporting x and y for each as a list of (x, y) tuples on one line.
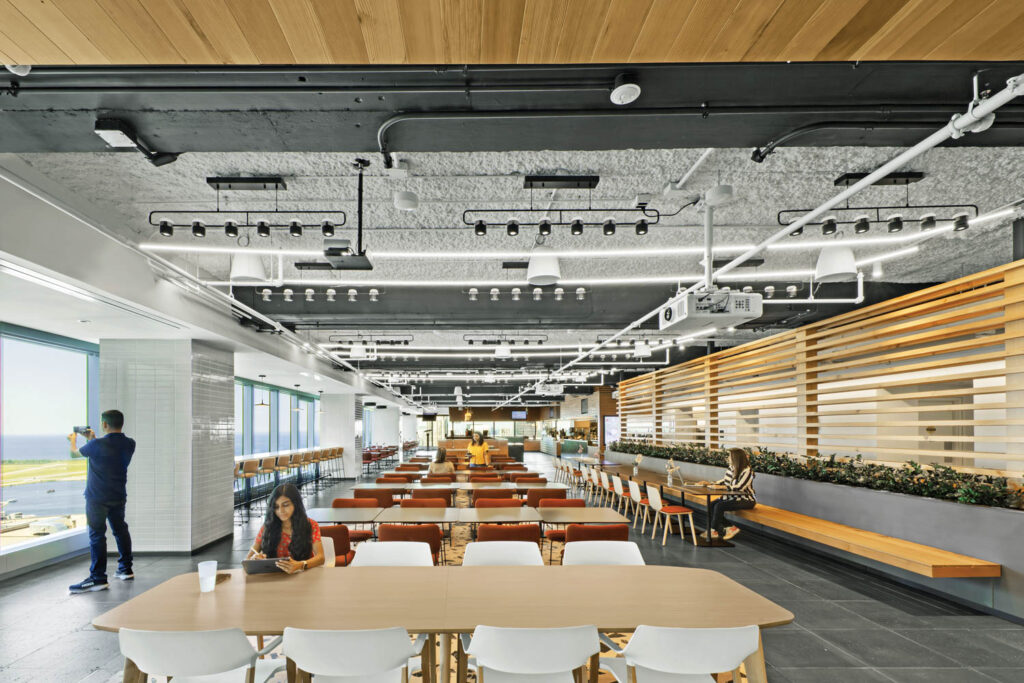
[(504, 31)]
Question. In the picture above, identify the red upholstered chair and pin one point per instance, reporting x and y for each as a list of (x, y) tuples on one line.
[(382, 496), (410, 467), (515, 476), (531, 480), (356, 535), (445, 494), (423, 533), (509, 532), (597, 532), (438, 479), (558, 535), (343, 552), (535, 496), (424, 503), (493, 493), (486, 478), (391, 479), (499, 503)]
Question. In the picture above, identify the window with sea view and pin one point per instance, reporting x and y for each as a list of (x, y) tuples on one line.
[(44, 393)]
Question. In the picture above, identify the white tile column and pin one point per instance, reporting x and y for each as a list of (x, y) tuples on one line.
[(178, 402), (385, 426), (337, 428)]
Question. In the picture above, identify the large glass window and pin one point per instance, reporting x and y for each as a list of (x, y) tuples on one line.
[(317, 412), (44, 392), (284, 421), (239, 419), (302, 440), (261, 420)]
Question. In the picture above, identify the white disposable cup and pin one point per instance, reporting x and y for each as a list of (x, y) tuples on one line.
[(207, 576)]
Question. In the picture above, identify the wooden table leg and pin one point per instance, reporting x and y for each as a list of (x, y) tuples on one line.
[(292, 670), (131, 672), (427, 659), (594, 665), (446, 657), (461, 665), (753, 665)]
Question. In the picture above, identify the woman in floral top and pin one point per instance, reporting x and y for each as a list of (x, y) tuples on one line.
[(287, 533)]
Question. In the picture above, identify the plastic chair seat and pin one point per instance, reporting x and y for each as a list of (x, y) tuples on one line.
[(493, 676), (676, 510), (389, 677), (265, 668), (357, 535), (616, 666)]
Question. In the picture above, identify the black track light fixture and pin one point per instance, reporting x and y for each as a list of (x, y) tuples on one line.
[(327, 228), (198, 229), (230, 228), (642, 227), (796, 232), (960, 222), (480, 228), (576, 226), (544, 227), (829, 226), (894, 223), (263, 228), (608, 227), (927, 221), (167, 228), (512, 227), (295, 228), (861, 225)]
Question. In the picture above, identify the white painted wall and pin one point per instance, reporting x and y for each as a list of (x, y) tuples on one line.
[(385, 427)]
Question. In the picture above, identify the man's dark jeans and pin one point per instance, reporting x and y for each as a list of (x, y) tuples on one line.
[(719, 508), (96, 516)]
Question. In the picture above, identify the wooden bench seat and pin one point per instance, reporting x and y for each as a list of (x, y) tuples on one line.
[(913, 557)]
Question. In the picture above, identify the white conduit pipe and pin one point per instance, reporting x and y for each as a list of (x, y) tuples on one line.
[(958, 125), (693, 169)]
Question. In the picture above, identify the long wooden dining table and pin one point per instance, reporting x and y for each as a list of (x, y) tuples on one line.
[(447, 601)]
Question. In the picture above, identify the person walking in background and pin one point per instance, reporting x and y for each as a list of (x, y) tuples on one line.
[(477, 449), (105, 497)]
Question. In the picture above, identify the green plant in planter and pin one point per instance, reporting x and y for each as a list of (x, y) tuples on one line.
[(938, 481)]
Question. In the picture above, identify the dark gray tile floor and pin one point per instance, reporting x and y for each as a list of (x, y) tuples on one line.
[(849, 627)]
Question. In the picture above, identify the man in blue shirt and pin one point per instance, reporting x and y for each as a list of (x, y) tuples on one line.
[(105, 497)]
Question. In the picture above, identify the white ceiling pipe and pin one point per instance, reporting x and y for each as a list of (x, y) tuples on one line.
[(960, 124), (693, 169), (811, 300)]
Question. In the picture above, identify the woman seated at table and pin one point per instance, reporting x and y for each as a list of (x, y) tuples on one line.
[(441, 464), (739, 481), (478, 451), (287, 533)]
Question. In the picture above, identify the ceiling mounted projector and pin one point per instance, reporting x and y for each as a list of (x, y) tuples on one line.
[(719, 309)]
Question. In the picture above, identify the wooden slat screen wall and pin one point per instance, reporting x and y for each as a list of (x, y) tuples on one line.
[(936, 376)]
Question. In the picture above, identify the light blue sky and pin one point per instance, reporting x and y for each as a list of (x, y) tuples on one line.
[(44, 388)]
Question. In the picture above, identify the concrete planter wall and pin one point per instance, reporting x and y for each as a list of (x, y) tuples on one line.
[(988, 533)]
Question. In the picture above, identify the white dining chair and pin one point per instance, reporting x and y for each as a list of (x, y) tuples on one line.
[(606, 488), (393, 554), (328, 545), (668, 512), (620, 493), (379, 655), (223, 656), (602, 552), (639, 502), (660, 654), (528, 655), (502, 554)]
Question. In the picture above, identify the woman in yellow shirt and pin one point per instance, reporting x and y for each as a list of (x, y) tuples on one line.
[(478, 451)]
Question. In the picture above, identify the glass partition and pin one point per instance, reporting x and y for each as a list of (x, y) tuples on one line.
[(261, 420), (284, 421)]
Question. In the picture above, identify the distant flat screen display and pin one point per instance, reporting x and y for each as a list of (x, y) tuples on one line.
[(518, 414)]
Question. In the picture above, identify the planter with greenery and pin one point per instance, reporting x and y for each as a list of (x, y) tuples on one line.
[(931, 481)]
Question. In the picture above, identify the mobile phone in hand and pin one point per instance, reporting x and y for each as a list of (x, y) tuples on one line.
[(83, 430)]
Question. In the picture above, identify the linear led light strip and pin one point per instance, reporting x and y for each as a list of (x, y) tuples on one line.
[(655, 252), (978, 115)]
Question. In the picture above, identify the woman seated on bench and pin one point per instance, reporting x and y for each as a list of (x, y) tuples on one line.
[(739, 481), (287, 533)]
